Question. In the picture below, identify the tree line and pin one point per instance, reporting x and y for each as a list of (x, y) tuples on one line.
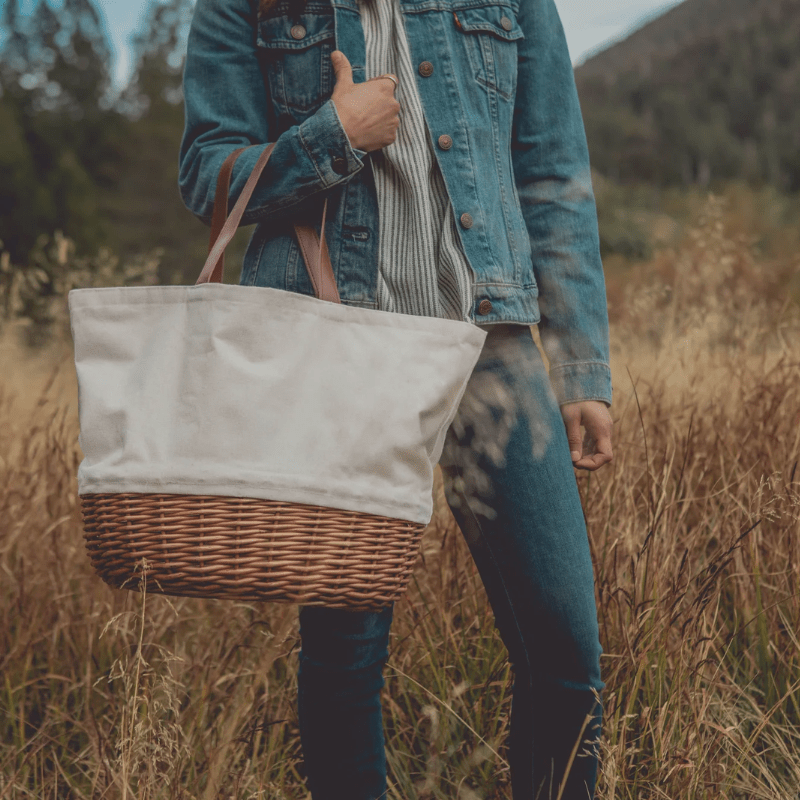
[(76, 158)]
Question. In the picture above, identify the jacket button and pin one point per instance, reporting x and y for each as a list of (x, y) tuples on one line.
[(466, 220), (484, 307), (297, 31), (426, 69), (339, 165), (445, 141), (506, 23)]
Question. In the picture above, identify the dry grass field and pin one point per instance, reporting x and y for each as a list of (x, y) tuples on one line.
[(695, 534)]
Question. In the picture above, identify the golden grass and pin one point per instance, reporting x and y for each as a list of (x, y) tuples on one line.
[(694, 531)]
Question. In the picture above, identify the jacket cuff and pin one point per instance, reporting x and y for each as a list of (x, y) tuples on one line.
[(584, 380), (328, 146)]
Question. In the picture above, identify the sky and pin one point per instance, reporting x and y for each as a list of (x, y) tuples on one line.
[(589, 25)]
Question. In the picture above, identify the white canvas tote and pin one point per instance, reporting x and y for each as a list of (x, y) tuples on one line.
[(255, 392)]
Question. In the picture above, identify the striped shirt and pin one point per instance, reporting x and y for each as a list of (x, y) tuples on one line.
[(422, 266)]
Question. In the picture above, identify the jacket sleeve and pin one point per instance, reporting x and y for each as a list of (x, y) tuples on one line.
[(226, 102), (551, 167)]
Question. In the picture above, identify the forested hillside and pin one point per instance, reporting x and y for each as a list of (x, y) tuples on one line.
[(707, 92)]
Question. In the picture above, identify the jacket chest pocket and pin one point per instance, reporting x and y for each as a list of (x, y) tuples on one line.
[(490, 34), (296, 60)]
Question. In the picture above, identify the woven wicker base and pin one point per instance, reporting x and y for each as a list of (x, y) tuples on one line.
[(250, 549)]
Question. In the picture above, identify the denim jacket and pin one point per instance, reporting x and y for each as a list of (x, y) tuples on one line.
[(498, 92)]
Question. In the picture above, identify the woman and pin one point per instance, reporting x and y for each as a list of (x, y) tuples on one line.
[(447, 138)]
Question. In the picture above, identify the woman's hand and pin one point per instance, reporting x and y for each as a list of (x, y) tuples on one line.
[(369, 112), (595, 448)]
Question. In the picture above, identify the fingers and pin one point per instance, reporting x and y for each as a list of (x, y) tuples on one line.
[(572, 422), (595, 453), (593, 450)]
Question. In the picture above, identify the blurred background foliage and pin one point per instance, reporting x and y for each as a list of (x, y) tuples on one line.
[(75, 157), (705, 98)]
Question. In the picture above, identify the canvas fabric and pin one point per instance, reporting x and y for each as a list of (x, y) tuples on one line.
[(248, 391)]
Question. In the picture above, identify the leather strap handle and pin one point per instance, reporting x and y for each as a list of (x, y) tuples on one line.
[(221, 210), (320, 271)]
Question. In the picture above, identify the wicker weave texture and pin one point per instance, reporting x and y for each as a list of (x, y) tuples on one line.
[(250, 549)]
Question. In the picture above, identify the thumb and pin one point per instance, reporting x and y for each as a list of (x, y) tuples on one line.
[(341, 67), (573, 426)]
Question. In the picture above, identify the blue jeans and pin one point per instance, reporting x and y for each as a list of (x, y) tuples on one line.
[(511, 486)]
